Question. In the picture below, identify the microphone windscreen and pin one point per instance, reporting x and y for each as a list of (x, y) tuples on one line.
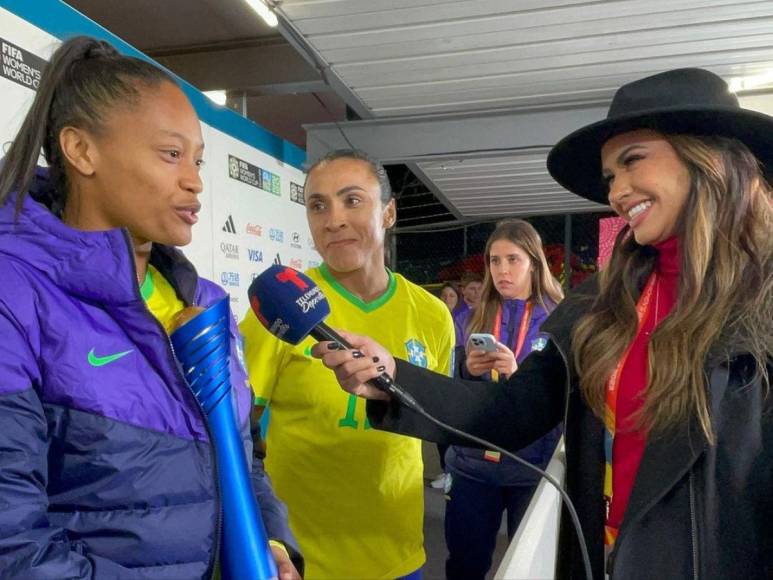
[(287, 302)]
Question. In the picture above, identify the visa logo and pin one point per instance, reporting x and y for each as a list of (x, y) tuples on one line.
[(255, 255)]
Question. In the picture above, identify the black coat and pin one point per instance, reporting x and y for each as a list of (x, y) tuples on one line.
[(696, 511)]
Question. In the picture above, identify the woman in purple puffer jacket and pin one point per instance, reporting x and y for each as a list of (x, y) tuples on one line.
[(106, 465)]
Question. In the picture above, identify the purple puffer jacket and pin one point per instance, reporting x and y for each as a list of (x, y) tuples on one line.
[(470, 462), (106, 467)]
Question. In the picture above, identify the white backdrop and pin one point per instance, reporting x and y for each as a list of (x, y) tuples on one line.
[(248, 219)]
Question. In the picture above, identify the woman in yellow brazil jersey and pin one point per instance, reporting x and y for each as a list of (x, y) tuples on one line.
[(355, 494)]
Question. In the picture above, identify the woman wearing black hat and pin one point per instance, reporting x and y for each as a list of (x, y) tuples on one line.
[(660, 366)]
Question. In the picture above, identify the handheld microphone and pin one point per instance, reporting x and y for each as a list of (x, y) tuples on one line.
[(291, 307)]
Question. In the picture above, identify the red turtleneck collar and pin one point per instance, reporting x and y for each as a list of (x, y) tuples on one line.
[(668, 261)]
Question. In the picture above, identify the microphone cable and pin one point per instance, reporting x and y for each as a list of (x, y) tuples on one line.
[(406, 399), (385, 383)]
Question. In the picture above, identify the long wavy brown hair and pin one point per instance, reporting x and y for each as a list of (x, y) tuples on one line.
[(725, 292), (545, 289)]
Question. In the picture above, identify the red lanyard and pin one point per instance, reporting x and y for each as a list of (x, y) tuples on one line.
[(494, 456), (610, 412), (522, 331), (642, 313)]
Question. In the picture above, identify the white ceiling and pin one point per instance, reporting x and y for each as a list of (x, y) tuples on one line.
[(397, 58), (486, 186), (225, 45)]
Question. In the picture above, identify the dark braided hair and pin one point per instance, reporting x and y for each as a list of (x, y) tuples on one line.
[(84, 79)]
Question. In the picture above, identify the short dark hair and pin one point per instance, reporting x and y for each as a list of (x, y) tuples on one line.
[(375, 167), (84, 79), (452, 287)]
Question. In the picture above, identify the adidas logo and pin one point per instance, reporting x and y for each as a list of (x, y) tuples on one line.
[(278, 260), (229, 225)]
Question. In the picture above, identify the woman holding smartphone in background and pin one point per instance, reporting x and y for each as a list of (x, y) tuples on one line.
[(518, 294)]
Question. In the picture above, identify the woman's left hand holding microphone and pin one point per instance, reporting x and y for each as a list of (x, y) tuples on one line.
[(353, 368)]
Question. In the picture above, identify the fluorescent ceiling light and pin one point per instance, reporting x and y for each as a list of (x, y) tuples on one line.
[(218, 97), (264, 11), (751, 82)]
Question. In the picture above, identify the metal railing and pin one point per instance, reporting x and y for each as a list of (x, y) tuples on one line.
[(533, 552)]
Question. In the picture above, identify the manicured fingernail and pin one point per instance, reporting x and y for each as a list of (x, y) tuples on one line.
[(375, 359), (335, 346), (357, 354), (381, 369)]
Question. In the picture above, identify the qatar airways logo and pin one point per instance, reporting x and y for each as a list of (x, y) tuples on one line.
[(230, 251), (310, 299)]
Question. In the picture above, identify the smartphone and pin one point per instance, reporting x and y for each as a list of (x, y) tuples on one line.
[(484, 342)]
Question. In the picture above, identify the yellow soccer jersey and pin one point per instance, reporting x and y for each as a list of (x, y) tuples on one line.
[(355, 494), (160, 297)]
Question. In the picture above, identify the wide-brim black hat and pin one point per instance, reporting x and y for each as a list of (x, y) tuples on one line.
[(688, 101)]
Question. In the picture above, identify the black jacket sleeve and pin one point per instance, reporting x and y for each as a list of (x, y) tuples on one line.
[(512, 414)]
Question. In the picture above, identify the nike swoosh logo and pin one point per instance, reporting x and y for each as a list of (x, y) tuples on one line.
[(100, 361)]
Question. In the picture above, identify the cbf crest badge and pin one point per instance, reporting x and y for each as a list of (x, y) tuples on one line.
[(539, 343), (417, 354)]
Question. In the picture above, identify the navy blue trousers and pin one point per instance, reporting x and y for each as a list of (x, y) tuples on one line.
[(473, 516)]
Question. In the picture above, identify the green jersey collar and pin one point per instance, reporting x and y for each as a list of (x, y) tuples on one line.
[(146, 290), (356, 300)]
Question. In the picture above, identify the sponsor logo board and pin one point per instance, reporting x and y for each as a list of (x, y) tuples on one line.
[(20, 66), (246, 172)]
